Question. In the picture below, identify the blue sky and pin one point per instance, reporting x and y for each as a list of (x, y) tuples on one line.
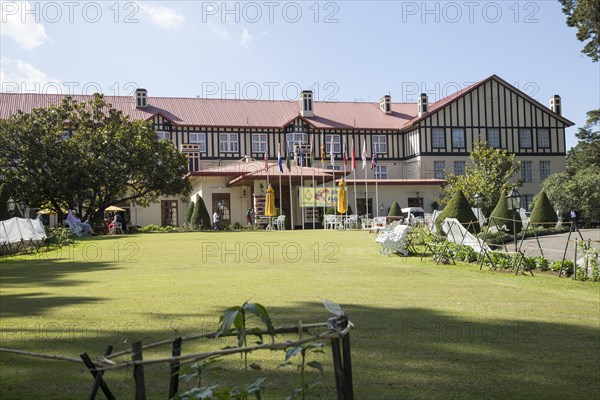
[(343, 50)]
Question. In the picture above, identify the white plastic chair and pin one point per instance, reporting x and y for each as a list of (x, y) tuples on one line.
[(116, 226)]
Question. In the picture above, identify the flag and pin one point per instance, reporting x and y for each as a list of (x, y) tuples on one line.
[(364, 155), (374, 161), (331, 152), (353, 157), (322, 151), (266, 162), (301, 156), (345, 155), (287, 161), (279, 161)]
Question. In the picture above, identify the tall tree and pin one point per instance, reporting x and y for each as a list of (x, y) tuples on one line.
[(87, 156), (585, 16), (587, 151), (488, 174)]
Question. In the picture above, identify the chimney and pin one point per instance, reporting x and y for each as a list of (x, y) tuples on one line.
[(141, 98), (555, 104), (423, 106), (306, 103), (385, 104)]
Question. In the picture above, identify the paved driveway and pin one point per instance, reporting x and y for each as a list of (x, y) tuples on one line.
[(554, 245)]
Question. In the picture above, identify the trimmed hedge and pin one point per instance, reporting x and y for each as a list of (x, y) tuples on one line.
[(543, 212), (459, 208), (395, 210), (502, 216), (189, 212), (200, 217)]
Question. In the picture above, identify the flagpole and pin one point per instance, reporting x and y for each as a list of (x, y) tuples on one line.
[(312, 168), (364, 166), (301, 184), (280, 171), (323, 173), (354, 177), (289, 167)]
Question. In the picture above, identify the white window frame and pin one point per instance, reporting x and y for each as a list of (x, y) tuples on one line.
[(294, 138), (334, 167), (437, 135), (496, 136), (526, 200), (381, 172), (379, 144), (198, 138), (228, 142), (459, 167), (163, 135), (439, 173), (525, 138), (527, 173), (337, 144), (463, 138), (543, 138), (260, 142), (545, 169)]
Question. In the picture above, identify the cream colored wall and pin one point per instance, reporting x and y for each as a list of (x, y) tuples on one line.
[(388, 194), (142, 216)]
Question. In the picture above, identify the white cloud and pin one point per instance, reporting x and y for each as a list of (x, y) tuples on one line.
[(246, 39), (19, 76), (20, 27), (162, 16)]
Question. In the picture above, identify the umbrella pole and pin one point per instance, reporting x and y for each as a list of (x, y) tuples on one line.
[(280, 196), (367, 192)]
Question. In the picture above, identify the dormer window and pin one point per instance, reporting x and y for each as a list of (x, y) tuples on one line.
[(162, 135), (141, 98), (306, 103)]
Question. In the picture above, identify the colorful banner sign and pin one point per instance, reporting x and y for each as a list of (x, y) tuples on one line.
[(318, 197)]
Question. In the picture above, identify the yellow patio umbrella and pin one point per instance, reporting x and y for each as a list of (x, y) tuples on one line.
[(342, 204), (270, 203), (113, 208)]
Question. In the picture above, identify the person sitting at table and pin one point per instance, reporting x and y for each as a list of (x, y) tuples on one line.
[(117, 220), (86, 228)]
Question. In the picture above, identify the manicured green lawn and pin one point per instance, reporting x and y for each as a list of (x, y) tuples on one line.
[(422, 331)]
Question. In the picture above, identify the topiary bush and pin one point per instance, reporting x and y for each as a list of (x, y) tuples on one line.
[(200, 217), (189, 212), (395, 210), (503, 216), (543, 212), (459, 208)]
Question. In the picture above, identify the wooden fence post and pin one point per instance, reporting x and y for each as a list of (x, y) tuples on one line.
[(138, 371), (347, 362), (98, 381), (174, 377)]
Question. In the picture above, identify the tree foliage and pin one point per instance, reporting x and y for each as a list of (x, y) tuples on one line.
[(587, 151), (503, 216), (543, 210), (4, 196), (585, 16), (189, 211), (487, 174), (87, 156), (460, 209)]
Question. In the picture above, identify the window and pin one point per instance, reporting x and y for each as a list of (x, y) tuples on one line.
[(459, 167), (415, 202), (543, 138), (334, 167), (163, 135), (526, 171), (337, 144), (199, 139), (525, 138), (381, 172), (458, 138), (438, 169), (544, 170), (438, 139), (493, 137), (228, 142), (295, 138), (526, 200), (259, 142), (379, 143)]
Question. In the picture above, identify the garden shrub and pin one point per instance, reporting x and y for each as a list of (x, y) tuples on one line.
[(543, 212), (503, 216), (200, 218), (189, 212), (459, 208), (395, 210)]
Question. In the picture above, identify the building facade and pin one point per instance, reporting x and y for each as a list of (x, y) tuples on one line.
[(414, 146)]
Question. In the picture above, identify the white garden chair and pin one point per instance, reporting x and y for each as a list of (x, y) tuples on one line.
[(394, 240)]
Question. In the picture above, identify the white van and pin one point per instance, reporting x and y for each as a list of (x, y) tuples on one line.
[(412, 213)]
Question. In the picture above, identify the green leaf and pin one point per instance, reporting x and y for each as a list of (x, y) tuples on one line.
[(316, 365), (291, 352)]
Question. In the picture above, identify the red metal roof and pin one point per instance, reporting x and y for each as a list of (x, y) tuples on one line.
[(251, 113)]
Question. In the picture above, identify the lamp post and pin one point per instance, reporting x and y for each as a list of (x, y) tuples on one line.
[(477, 199), (10, 206), (513, 201)]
